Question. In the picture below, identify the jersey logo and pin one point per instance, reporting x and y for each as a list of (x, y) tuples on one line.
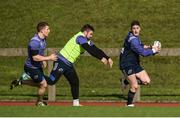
[(61, 70), (41, 44), (130, 71)]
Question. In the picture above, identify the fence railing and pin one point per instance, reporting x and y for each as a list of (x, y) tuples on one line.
[(10, 52)]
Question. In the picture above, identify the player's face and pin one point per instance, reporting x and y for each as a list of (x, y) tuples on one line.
[(136, 30), (89, 34), (45, 31)]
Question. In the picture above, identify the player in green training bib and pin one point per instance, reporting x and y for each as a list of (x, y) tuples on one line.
[(76, 46)]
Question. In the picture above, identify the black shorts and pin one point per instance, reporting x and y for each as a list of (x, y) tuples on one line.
[(36, 74), (132, 70)]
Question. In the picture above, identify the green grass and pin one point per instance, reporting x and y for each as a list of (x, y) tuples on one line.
[(98, 82), (61, 111), (111, 19)]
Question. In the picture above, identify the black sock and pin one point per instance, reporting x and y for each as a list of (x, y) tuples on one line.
[(130, 97), (40, 98), (126, 82)]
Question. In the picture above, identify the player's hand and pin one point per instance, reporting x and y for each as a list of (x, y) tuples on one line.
[(53, 57), (104, 61), (110, 62), (156, 48), (147, 47), (44, 64)]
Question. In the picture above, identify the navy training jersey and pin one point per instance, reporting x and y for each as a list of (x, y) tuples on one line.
[(35, 44), (131, 51)]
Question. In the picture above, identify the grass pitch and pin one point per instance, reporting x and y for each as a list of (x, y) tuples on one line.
[(87, 111)]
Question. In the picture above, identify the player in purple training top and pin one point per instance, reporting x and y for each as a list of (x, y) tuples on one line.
[(36, 61)]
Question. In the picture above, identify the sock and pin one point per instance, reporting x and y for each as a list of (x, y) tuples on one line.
[(126, 82), (76, 102), (130, 97), (40, 98)]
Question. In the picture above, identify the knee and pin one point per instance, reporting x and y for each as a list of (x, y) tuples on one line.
[(147, 82), (51, 80), (134, 87), (43, 84)]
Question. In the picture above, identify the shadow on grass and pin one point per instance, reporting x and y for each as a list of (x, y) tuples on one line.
[(106, 96), (165, 95)]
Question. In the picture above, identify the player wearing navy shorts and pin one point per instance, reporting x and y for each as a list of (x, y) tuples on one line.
[(130, 63), (36, 61)]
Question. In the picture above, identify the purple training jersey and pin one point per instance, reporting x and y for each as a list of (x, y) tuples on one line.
[(36, 44)]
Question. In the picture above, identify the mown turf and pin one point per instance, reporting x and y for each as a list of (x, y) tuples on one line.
[(111, 19), (98, 82), (62, 111)]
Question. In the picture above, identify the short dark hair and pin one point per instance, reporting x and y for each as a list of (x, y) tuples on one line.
[(87, 27), (135, 22), (41, 25)]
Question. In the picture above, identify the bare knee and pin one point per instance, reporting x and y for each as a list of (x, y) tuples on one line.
[(147, 82), (43, 84), (134, 87)]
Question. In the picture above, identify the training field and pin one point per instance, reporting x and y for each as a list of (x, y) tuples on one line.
[(89, 109), (98, 84)]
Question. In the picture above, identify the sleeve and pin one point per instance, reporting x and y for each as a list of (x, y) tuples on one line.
[(94, 51), (34, 47), (139, 48), (82, 40)]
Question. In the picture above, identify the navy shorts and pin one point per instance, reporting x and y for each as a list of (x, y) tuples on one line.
[(61, 68), (36, 74), (132, 70)]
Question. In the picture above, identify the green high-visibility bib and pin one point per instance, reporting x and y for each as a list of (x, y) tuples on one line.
[(72, 50)]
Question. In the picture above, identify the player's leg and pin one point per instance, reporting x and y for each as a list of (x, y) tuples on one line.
[(18, 82), (124, 83), (41, 91), (73, 80), (29, 83), (143, 77), (56, 73), (131, 77), (38, 80), (133, 88)]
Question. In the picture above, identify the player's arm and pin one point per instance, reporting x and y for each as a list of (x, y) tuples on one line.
[(34, 52), (38, 57), (98, 53), (91, 48), (44, 64), (139, 49), (94, 51)]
